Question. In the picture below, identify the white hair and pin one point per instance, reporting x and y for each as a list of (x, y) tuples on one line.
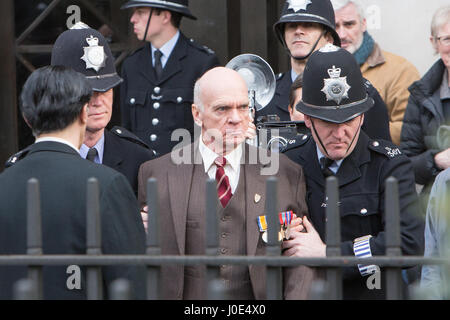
[(339, 4), (440, 18)]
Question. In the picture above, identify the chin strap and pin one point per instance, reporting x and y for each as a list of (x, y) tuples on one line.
[(148, 24), (310, 52), (321, 143)]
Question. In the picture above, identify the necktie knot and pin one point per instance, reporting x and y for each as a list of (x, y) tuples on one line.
[(325, 164), (158, 54), (92, 153), (220, 161)]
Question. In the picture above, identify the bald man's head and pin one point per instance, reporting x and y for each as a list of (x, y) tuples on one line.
[(221, 108)]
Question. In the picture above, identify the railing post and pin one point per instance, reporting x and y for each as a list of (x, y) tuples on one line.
[(34, 233), (153, 241), (120, 289), (392, 217), (94, 238), (274, 278), (333, 237), (214, 287), (25, 289)]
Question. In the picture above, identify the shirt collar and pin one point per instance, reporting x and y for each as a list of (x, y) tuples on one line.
[(166, 49), (100, 146), (208, 156), (334, 166), (293, 75), (55, 139), (445, 89)]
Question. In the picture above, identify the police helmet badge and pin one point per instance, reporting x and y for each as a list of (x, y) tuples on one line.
[(298, 5), (94, 55), (336, 87)]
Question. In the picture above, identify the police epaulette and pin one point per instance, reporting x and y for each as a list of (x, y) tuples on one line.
[(125, 134), (298, 141), (201, 47), (384, 147), (16, 157)]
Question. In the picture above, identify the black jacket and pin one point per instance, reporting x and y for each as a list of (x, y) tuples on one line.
[(361, 179), (376, 121), (153, 108), (124, 154), (63, 176), (423, 116)]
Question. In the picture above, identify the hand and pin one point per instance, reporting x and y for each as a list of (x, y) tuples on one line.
[(442, 159), (296, 224), (144, 215), (251, 131), (305, 244)]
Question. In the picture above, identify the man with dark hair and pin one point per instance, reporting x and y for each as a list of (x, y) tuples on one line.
[(156, 94), (295, 95), (54, 102), (303, 28), (334, 104)]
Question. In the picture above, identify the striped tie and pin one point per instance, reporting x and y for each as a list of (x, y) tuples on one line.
[(223, 184)]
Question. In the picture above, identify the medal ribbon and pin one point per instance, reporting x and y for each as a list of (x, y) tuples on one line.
[(284, 218)]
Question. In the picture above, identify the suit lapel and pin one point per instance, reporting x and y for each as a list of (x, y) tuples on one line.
[(349, 170), (147, 70), (173, 65), (180, 181), (310, 163)]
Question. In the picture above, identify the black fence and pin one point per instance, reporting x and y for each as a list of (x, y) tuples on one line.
[(393, 261)]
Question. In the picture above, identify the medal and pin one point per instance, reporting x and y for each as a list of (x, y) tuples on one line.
[(284, 218)]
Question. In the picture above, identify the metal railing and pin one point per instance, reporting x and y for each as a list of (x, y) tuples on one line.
[(393, 261)]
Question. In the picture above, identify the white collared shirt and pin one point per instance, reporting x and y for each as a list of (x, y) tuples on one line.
[(232, 168), (55, 139), (166, 49)]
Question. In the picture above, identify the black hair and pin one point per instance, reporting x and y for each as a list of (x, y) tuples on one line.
[(297, 84), (175, 19), (53, 97)]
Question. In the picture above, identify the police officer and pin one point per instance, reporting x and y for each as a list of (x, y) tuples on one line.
[(304, 27), (157, 92), (86, 51), (334, 105)]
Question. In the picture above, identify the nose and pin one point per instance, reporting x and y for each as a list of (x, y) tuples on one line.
[(339, 131), (341, 31), (133, 18), (95, 100), (234, 116)]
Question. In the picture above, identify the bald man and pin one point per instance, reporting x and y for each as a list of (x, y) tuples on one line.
[(220, 109)]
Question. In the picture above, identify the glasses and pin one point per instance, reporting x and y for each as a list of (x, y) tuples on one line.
[(444, 40)]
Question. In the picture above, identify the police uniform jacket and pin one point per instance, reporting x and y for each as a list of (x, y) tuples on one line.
[(63, 176), (125, 154), (361, 178), (376, 121), (152, 108)]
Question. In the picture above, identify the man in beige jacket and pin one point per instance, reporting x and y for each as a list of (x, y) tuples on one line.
[(390, 74)]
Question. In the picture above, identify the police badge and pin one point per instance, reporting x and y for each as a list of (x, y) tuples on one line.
[(336, 87), (94, 55), (298, 5)]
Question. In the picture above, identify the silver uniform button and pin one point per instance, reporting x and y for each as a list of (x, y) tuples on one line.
[(155, 121), (132, 100), (156, 105), (118, 131), (363, 211), (179, 99), (157, 90), (375, 143), (304, 137), (153, 137)]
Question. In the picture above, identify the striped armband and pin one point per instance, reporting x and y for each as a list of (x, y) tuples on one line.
[(361, 248)]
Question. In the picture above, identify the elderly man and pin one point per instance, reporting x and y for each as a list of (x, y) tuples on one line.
[(334, 104), (156, 94), (221, 110), (54, 103), (303, 28), (389, 73)]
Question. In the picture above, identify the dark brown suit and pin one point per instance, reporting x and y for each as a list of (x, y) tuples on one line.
[(180, 195)]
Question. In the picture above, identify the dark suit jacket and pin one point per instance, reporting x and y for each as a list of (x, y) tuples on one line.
[(63, 176), (156, 107), (376, 120), (125, 156), (174, 183)]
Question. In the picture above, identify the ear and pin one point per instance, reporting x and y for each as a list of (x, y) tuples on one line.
[(197, 115), (362, 120), (26, 121), (308, 121), (84, 114), (364, 25), (167, 15), (434, 43)]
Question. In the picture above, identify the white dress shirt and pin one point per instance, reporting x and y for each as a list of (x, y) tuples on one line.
[(232, 168)]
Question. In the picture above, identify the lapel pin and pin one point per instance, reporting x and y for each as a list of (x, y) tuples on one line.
[(257, 197)]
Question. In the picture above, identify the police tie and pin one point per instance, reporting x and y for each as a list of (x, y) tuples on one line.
[(325, 164), (223, 184), (92, 153), (158, 64)]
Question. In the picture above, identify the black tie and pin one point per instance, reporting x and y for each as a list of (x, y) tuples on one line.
[(92, 153), (325, 164), (158, 64)]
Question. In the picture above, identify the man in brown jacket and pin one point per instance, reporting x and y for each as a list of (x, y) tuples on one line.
[(390, 74), (220, 109)]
